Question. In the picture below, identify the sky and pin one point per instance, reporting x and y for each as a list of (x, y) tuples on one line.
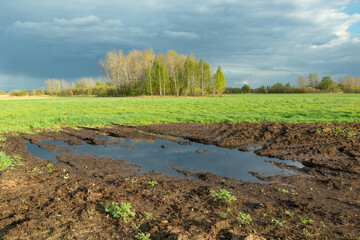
[(258, 42)]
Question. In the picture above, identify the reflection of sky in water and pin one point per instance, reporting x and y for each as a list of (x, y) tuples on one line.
[(150, 155)]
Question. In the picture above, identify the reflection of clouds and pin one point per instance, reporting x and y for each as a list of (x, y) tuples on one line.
[(152, 157)]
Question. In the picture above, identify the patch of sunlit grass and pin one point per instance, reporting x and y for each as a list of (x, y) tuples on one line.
[(28, 114)]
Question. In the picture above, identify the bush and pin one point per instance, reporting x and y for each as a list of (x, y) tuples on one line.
[(67, 92), (37, 92), (18, 93)]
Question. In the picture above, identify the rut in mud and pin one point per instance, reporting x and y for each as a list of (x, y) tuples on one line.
[(62, 200)]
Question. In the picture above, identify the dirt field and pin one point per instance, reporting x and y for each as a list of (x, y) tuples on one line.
[(63, 201)]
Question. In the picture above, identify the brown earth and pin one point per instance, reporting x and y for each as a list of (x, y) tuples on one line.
[(63, 201)]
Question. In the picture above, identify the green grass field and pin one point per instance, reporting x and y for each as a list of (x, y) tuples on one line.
[(24, 114)]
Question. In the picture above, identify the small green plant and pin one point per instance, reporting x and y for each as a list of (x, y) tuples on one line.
[(294, 193), (307, 233), (91, 212), (305, 220), (49, 168), (142, 236), (278, 223), (222, 195), (8, 161), (136, 226), (286, 212), (2, 139), (133, 180), (119, 211), (283, 191), (224, 214), (148, 215), (153, 183), (351, 134), (244, 218), (36, 170), (24, 201), (322, 224)]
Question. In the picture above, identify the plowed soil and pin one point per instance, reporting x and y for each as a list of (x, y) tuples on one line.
[(63, 201)]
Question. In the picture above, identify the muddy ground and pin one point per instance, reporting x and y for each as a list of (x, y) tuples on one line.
[(63, 201)]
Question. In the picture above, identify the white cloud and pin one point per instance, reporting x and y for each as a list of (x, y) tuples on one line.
[(85, 21), (184, 35), (324, 22)]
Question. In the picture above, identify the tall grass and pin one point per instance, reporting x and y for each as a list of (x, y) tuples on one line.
[(26, 114)]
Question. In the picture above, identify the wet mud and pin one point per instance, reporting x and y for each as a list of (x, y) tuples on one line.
[(63, 200)]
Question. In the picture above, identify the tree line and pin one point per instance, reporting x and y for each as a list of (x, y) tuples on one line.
[(305, 84), (141, 72)]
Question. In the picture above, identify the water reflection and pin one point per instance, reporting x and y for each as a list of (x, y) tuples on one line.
[(151, 156)]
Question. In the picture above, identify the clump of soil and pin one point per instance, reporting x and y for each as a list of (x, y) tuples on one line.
[(64, 200)]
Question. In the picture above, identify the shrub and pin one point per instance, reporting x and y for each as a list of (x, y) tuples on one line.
[(37, 92), (67, 92), (18, 93)]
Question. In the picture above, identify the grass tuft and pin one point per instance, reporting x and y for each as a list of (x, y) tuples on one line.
[(8, 161)]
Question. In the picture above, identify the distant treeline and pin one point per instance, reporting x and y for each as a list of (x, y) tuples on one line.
[(186, 80), (307, 84), (142, 73)]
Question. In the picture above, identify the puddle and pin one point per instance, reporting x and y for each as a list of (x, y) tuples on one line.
[(156, 154)]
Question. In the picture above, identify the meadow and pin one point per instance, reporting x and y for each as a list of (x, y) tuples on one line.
[(28, 114)]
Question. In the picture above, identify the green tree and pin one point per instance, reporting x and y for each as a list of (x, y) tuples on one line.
[(190, 70), (219, 81), (326, 84), (261, 89), (149, 82), (204, 75), (161, 78), (245, 89)]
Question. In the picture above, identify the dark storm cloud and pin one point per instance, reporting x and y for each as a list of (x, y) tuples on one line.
[(258, 42)]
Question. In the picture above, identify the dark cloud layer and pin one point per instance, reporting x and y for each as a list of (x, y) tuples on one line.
[(256, 42)]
